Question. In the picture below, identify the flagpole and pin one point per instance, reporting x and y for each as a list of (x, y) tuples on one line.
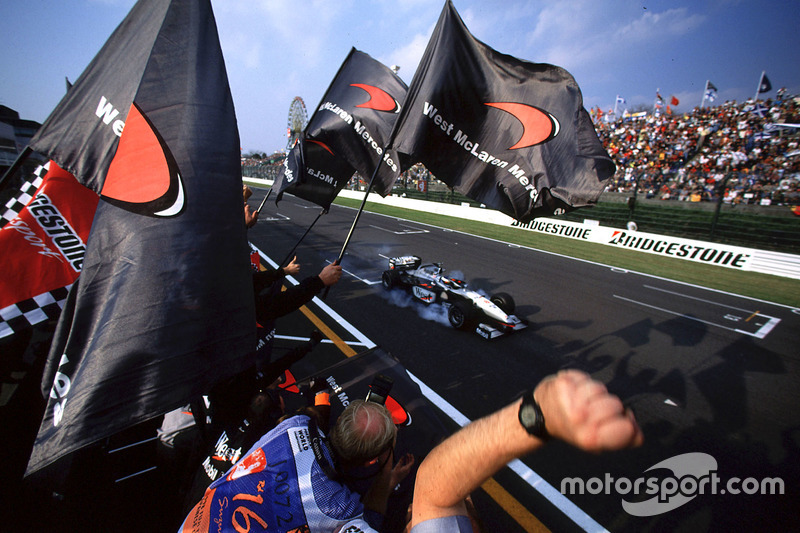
[(15, 166), (655, 102), (264, 200), (703, 98), (758, 87), (291, 252), (355, 220)]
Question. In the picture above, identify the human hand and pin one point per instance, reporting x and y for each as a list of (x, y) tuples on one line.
[(581, 411), (250, 216), (331, 274), (293, 268), (247, 192), (401, 470)]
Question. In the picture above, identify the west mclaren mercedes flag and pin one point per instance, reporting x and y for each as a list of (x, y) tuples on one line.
[(509, 133), (356, 116), (163, 307), (312, 171)]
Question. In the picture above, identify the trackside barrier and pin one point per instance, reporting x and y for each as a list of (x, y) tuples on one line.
[(736, 257)]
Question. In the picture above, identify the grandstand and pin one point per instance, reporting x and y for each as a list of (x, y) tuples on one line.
[(747, 153), (728, 174)]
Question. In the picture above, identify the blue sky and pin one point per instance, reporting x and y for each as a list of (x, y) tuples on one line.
[(278, 49)]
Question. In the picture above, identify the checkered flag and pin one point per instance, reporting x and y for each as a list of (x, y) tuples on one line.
[(41, 262), (25, 195), (27, 313)]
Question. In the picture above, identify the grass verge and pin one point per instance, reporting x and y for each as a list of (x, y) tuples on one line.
[(767, 287)]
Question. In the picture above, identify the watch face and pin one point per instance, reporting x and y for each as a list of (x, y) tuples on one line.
[(528, 416), (531, 418)]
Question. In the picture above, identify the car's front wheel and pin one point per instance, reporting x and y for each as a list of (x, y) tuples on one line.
[(504, 301), (389, 279), (460, 315)]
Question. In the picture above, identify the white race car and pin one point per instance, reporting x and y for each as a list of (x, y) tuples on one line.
[(466, 309)]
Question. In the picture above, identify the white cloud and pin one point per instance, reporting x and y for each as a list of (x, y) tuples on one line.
[(579, 34), (408, 56)]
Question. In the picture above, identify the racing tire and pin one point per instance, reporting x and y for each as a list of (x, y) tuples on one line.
[(461, 315), (504, 301), (389, 279)]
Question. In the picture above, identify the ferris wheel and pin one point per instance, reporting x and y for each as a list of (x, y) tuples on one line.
[(298, 118)]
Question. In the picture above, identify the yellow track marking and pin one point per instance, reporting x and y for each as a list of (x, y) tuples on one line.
[(328, 332), (751, 316), (514, 509), (506, 501)]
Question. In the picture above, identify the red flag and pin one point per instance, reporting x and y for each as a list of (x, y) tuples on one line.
[(43, 250), (506, 132), (674, 101), (163, 308)]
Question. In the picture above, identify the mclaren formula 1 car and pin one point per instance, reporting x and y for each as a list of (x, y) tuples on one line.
[(466, 309)]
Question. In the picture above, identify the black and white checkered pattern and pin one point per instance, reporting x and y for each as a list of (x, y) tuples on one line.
[(26, 193), (47, 305), (26, 313)]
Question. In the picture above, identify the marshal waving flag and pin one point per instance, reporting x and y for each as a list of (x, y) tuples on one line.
[(506, 132), (356, 115), (163, 307), (312, 171)]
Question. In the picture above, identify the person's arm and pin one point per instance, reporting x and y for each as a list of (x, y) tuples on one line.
[(293, 268), (271, 306), (576, 409), (292, 298), (264, 278), (250, 216)]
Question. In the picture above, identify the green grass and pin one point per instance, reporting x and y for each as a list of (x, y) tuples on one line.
[(762, 286)]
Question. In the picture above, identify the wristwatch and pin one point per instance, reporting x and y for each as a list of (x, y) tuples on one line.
[(531, 417)]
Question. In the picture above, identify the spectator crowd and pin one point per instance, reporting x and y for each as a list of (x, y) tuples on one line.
[(684, 157), (688, 156)]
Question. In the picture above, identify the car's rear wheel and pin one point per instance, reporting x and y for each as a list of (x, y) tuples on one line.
[(504, 301), (389, 279), (461, 315)]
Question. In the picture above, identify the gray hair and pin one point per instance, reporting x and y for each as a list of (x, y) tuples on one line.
[(362, 432)]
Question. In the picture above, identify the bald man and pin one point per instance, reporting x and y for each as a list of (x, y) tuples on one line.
[(293, 477)]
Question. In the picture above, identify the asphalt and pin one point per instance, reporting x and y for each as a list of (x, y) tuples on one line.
[(705, 372)]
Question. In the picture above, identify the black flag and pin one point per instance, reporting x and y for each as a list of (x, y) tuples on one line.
[(312, 171), (356, 115), (163, 307), (509, 133), (764, 86)]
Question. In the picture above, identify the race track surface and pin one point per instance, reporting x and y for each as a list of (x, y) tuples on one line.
[(705, 372)]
